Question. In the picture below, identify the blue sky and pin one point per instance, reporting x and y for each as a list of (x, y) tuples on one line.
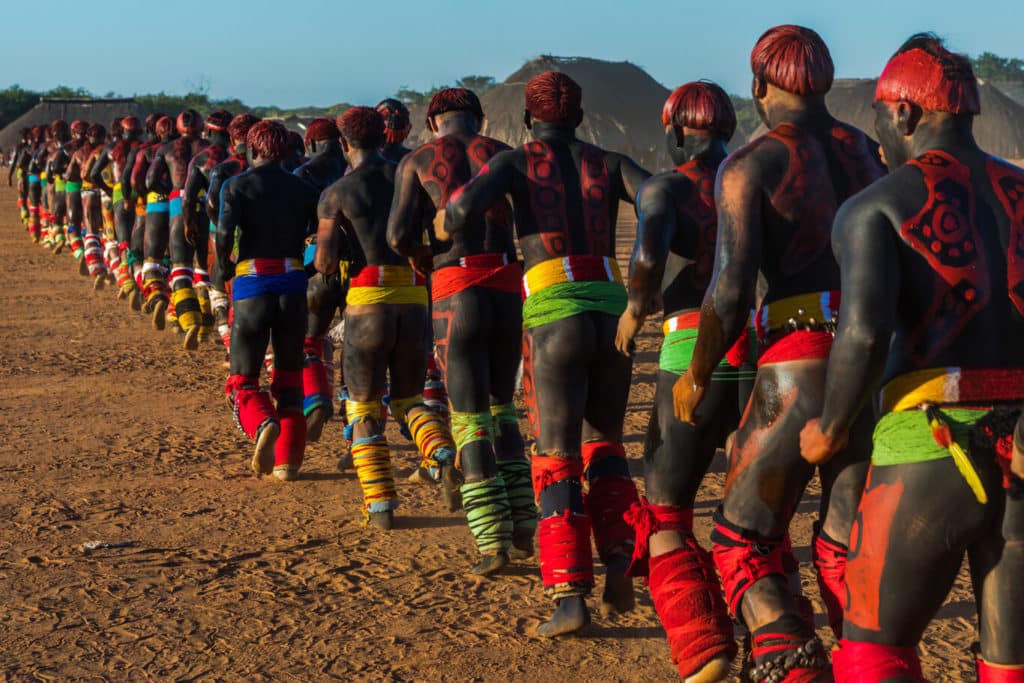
[(295, 52)]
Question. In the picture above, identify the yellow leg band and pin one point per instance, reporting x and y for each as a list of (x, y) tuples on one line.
[(357, 411), (372, 463)]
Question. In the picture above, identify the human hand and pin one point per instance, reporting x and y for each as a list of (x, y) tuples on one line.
[(629, 325), (686, 398), (423, 260), (817, 447), (191, 234)]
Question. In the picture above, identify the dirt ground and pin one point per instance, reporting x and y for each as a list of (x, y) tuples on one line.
[(110, 432)]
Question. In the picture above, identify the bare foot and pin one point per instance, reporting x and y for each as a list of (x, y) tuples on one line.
[(522, 545), (135, 299), (570, 615), (191, 342), (315, 422), (617, 597), (451, 480), (263, 455), (159, 309), (99, 282), (490, 563), (713, 671), (384, 521)]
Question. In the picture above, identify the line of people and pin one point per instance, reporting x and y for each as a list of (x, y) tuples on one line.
[(819, 315)]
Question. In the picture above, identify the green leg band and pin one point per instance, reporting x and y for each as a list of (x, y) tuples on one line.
[(488, 514), (516, 474)]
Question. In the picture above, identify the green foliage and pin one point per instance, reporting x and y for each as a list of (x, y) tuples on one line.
[(995, 68), (478, 84), (15, 101), (747, 119)]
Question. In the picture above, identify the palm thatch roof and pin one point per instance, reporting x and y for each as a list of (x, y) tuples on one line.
[(93, 110)]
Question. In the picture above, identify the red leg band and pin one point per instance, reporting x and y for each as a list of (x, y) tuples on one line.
[(314, 346), (743, 557), (610, 494), (857, 662), (291, 444), (252, 406), (647, 519), (564, 551), (285, 379), (545, 470), (830, 561), (999, 673), (688, 599)]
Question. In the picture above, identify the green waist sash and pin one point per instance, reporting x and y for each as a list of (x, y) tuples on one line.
[(905, 437), (566, 299)]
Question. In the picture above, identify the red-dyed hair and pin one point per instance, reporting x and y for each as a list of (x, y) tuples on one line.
[(239, 127), (59, 127), (97, 131), (189, 122), (702, 105), (455, 99), (25, 133), (362, 127), (321, 129), (397, 123), (79, 127), (218, 120), (925, 73), (131, 124), (794, 59), (553, 97), (164, 126), (115, 125), (268, 140), (38, 132)]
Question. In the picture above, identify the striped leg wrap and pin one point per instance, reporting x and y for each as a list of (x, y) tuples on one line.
[(488, 514), (93, 251), (186, 307), (429, 431), (516, 475), (153, 279), (372, 463), (76, 242)]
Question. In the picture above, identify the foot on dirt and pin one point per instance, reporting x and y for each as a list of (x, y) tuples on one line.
[(191, 342), (83, 267), (135, 300), (159, 314), (263, 455), (451, 480), (618, 588), (712, 672), (522, 545), (570, 615), (420, 476), (385, 521), (286, 472), (99, 282), (490, 563), (315, 422), (58, 248), (345, 461)]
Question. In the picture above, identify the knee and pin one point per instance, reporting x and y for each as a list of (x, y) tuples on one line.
[(557, 483), (743, 557)]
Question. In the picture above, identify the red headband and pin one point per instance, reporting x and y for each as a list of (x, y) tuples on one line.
[(930, 82)]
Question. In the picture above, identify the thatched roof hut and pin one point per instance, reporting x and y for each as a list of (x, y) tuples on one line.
[(999, 129), (93, 110), (621, 104)]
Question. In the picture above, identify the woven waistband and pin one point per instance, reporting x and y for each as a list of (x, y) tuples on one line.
[(175, 194), (947, 386), (683, 321), (482, 261), (812, 311), (387, 276), (570, 269), (267, 266)]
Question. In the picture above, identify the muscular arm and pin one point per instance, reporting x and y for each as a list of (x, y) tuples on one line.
[(655, 230), (229, 222), (194, 184), (730, 296), (633, 176), (471, 201), (328, 235), (96, 172), (138, 175), (404, 225), (863, 242), (155, 176)]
